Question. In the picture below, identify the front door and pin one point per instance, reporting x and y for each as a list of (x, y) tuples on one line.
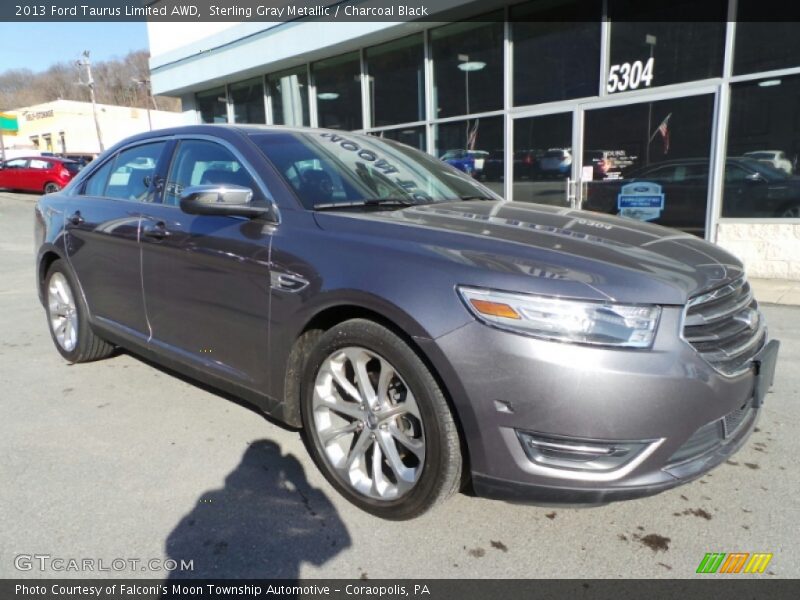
[(103, 236), (10, 173), (206, 278)]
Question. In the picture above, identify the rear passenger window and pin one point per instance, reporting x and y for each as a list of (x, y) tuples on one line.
[(200, 162), (39, 164), (133, 171)]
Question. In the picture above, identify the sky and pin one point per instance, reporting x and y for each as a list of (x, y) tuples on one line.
[(36, 46)]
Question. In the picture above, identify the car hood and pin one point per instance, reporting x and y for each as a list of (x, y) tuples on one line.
[(545, 249)]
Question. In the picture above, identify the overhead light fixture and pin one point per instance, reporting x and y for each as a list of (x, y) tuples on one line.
[(471, 65), (327, 95), (769, 83)]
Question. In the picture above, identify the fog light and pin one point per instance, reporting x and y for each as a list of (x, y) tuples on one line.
[(579, 455)]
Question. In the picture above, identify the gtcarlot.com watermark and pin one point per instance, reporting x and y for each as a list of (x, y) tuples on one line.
[(56, 564)]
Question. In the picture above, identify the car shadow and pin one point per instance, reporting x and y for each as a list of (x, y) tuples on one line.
[(265, 522)]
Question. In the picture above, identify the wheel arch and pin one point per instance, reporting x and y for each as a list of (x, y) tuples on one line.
[(328, 318)]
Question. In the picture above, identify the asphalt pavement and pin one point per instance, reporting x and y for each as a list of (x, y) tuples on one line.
[(119, 459)]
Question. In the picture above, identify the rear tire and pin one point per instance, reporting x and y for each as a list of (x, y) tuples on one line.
[(51, 188), (391, 445), (67, 318)]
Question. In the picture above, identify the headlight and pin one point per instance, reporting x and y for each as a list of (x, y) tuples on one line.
[(600, 323)]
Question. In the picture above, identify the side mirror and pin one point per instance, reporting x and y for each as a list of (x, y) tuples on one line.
[(231, 200)]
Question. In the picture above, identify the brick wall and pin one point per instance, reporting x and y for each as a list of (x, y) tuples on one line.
[(768, 250)]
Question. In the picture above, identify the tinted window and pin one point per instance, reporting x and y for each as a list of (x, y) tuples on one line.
[(466, 145), (396, 81), (213, 106), (199, 162), (467, 68), (133, 171), (556, 50), (72, 167), (764, 137), (765, 38), (325, 168), (647, 50), (338, 84), (288, 94), (248, 101)]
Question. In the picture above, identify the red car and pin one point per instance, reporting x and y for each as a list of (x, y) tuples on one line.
[(37, 173)]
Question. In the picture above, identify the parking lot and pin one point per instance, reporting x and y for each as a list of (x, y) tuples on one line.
[(120, 459)]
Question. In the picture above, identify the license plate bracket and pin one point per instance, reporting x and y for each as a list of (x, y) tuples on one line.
[(764, 364)]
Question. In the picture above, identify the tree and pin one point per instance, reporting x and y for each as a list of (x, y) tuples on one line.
[(115, 83)]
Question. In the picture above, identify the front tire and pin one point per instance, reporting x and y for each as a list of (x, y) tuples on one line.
[(67, 318), (377, 423)]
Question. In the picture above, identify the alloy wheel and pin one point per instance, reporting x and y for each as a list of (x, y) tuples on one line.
[(368, 424), (62, 311)]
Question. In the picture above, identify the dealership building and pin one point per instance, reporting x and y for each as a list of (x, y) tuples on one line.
[(604, 104)]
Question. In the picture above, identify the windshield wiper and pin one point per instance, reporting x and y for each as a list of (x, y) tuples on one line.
[(381, 202), (468, 197)]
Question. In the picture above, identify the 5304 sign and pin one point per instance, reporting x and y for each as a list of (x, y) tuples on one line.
[(629, 76)]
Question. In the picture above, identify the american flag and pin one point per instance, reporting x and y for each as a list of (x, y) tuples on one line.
[(663, 129), (472, 135)]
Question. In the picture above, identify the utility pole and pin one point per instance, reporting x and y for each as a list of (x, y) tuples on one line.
[(86, 64), (145, 83)]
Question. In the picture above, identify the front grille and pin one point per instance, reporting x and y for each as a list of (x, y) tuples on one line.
[(726, 327)]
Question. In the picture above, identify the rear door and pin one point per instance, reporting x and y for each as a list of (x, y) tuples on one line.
[(38, 173), (103, 235), (207, 277)]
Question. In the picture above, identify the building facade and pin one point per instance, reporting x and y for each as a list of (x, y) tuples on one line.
[(691, 124), (68, 127)]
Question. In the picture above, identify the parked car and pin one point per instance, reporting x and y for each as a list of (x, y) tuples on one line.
[(556, 162), (775, 158), (37, 173), (527, 164), (421, 331), (752, 189), (469, 161)]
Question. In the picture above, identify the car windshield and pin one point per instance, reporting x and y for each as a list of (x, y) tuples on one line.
[(330, 169)]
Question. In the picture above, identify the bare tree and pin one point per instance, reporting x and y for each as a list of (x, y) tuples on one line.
[(115, 83)]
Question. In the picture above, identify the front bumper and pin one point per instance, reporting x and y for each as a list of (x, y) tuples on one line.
[(503, 383)]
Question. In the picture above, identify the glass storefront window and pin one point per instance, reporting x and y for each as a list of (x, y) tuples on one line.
[(338, 85), (212, 106), (542, 158), (649, 51), (762, 44), (763, 150), (248, 101), (556, 50), (467, 67), (396, 80), (411, 136), (650, 161), (288, 96), (474, 146)]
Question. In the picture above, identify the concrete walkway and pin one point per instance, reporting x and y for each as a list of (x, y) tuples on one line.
[(776, 291)]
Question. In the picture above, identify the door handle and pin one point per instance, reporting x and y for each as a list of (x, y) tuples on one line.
[(158, 231), (76, 218)]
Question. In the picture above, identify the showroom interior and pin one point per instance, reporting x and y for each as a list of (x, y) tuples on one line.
[(560, 102)]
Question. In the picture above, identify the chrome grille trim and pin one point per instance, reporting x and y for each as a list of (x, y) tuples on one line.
[(725, 327)]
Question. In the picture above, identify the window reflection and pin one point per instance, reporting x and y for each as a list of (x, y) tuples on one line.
[(411, 136), (761, 166), (556, 50), (474, 146), (338, 86), (467, 68), (212, 105), (288, 95), (765, 40), (248, 101), (396, 81), (542, 158)]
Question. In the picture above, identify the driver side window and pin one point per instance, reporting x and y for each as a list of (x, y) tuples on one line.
[(201, 162)]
